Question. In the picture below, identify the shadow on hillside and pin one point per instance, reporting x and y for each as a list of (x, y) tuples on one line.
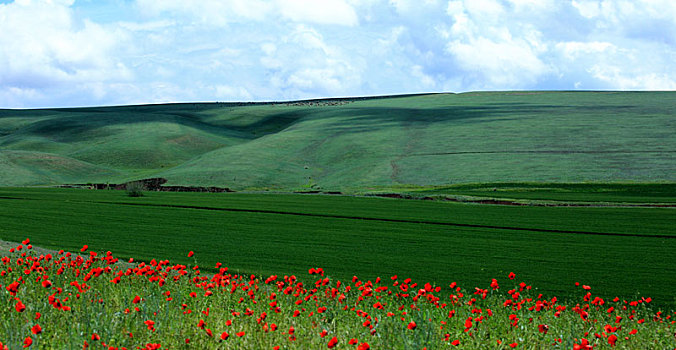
[(78, 124)]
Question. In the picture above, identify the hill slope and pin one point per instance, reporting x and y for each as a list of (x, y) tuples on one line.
[(435, 139)]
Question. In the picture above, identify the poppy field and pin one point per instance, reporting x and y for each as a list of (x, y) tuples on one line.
[(624, 252), (91, 299)]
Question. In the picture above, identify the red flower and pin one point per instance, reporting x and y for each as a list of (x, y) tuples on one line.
[(363, 346), (352, 341), (513, 345), (412, 325), (190, 254), (20, 307), (27, 342), (240, 334), (224, 335), (455, 342), (95, 337), (46, 283), (84, 248), (333, 342), (511, 276), (136, 300), (36, 329), (612, 339)]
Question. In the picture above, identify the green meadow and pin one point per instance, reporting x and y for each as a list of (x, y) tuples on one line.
[(625, 252), (574, 192)]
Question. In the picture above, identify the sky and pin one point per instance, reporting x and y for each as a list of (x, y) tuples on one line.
[(67, 53)]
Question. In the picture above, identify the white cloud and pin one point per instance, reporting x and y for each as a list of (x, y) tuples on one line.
[(66, 52), (207, 12), (45, 47), (222, 12), (320, 12), (302, 63)]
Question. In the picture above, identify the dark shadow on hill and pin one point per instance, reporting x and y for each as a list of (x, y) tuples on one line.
[(72, 125)]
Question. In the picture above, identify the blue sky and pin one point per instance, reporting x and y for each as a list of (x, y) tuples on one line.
[(57, 53)]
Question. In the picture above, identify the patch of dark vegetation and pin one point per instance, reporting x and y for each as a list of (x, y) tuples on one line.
[(319, 192), (150, 185)]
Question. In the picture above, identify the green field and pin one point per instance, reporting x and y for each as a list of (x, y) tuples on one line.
[(583, 193), (619, 251), (351, 145)]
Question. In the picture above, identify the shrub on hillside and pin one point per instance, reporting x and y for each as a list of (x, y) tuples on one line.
[(135, 189)]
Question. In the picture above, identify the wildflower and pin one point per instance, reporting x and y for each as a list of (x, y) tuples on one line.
[(36, 329), (20, 307), (333, 342), (363, 346)]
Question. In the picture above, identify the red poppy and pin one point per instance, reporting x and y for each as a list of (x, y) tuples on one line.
[(36, 329), (412, 325), (363, 346), (494, 284), (224, 335), (20, 307), (84, 248), (333, 342), (612, 339), (190, 254), (27, 342), (240, 334), (511, 276), (455, 342)]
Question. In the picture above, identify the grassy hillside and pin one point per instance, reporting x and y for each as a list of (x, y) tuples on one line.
[(438, 139)]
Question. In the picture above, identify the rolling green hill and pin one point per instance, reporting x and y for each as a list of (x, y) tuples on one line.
[(351, 144)]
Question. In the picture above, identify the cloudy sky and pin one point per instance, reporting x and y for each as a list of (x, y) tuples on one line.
[(110, 52)]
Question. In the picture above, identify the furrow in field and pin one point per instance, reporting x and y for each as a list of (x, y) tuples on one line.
[(426, 222)]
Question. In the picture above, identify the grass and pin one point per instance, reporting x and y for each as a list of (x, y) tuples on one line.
[(424, 140), (624, 252), (72, 301), (566, 192)]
